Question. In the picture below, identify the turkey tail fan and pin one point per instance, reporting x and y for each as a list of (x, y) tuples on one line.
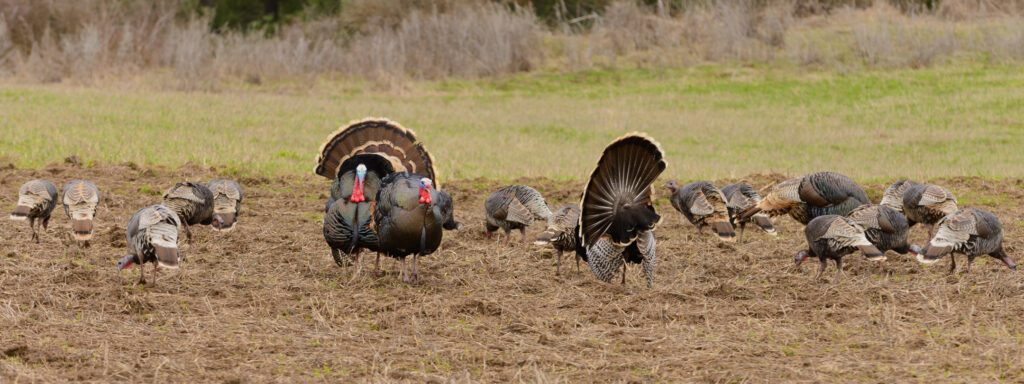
[(21, 212), (82, 229), (617, 199), (381, 144)]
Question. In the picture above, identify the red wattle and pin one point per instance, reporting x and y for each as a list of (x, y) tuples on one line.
[(424, 196), (357, 192)]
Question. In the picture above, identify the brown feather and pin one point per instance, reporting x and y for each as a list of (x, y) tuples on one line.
[(381, 137)]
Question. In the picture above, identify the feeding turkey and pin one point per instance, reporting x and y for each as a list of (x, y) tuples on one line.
[(357, 158), (80, 199), (810, 196), (36, 200), (152, 236), (739, 197), (969, 231), (617, 217), (832, 237), (227, 204), (703, 204), (192, 202), (561, 233), (410, 218), (514, 207), (885, 227), (921, 203)]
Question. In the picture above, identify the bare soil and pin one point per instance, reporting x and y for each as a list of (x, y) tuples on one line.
[(267, 303)]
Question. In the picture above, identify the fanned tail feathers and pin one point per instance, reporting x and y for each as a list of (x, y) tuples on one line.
[(394, 147), (617, 200)]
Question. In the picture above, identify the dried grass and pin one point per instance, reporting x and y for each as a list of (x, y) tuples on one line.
[(388, 41)]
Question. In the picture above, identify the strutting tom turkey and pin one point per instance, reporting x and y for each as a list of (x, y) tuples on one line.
[(357, 158), (80, 199), (807, 197), (703, 204), (36, 200), (617, 218), (514, 207)]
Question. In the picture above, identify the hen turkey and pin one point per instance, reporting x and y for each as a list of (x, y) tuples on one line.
[(617, 217), (739, 197), (970, 231), (832, 237), (807, 197), (36, 200), (561, 233), (703, 204), (152, 236), (192, 202), (227, 203), (885, 227), (80, 199), (357, 158), (921, 203), (514, 207)]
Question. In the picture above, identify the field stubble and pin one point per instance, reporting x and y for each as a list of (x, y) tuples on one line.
[(267, 303)]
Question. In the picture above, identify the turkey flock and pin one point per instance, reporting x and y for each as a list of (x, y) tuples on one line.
[(386, 198)]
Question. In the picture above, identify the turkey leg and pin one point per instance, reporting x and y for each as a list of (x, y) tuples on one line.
[(558, 266), (743, 226), (32, 224), (839, 271), (415, 276), (952, 262), (376, 266)]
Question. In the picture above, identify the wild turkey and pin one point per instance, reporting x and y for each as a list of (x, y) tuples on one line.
[(36, 200), (832, 237), (192, 202), (514, 207), (703, 204), (410, 216), (561, 233), (80, 199), (356, 158), (152, 238), (739, 197), (884, 227), (807, 197), (921, 203), (970, 231), (227, 204), (617, 219)]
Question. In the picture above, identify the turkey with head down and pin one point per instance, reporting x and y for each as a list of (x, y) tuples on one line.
[(80, 199), (36, 200), (807, 197), (356, 158), (192, 202), (921, 203), (832, 237), (617, 217), (970, 231), (561, 233), (227, 204), (514, 207), (739, 197), (703, 204), (152, 236)]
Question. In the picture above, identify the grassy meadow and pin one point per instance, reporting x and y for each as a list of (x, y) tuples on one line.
[(713, 121)]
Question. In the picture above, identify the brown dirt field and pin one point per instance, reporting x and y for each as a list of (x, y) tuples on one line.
[(267, 303)]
